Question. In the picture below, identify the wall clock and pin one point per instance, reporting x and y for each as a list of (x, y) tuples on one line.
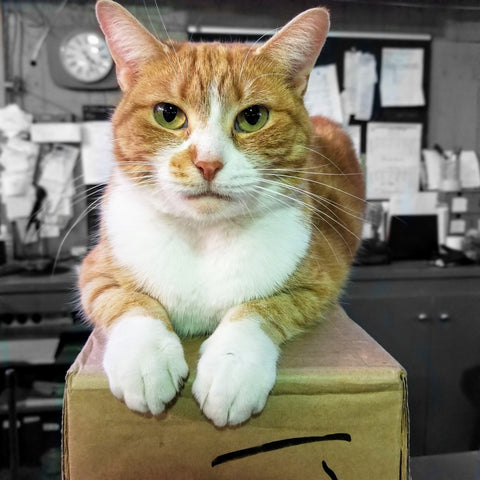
[(79, 59)]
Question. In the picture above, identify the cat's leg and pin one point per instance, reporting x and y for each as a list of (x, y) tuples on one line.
[(144, 362), (236, 371), (237, 367), (144, 359)]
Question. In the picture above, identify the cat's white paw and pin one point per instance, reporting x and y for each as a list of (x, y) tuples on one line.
[(236, 371), (144, 363)]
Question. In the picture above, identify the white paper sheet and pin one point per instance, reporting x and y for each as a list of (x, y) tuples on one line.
[(64, 132), (393, 158), (433, 161), (355, 131), (360, 77), (323, 94), (367, 78), (13, 120), (56, 179), (97, 152), (469, 169), (401, 77), (420, 203)]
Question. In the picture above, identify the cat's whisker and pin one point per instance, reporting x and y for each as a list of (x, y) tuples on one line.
[(323, 156), (249, 86), (293, 169), (325, 174), (172, 44), (325, 217), (306, 191), (318, 212), (273, 195), (320, 198), (75, 223), (155, 32), (323, 184), (150, 21), (252, 46)]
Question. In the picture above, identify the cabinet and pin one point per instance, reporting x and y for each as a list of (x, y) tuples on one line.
[(35, 308), (429, 320)]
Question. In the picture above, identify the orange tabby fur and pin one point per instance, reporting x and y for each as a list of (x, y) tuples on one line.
[(313, 156)]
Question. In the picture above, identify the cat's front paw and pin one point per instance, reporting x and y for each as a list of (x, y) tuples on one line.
[(144, 363), (236, 371)]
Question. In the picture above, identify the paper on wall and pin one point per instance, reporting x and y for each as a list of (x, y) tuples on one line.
[(420, 203), (469, 169), (97, 152), (19, 206), (392, 158), (13, 120), (360, 78), (323, 94), (56, 179), (354, 131), (401, 77), (18, 162), (58, 132)]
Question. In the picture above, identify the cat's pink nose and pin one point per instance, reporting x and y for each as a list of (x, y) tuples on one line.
[(209, 168)]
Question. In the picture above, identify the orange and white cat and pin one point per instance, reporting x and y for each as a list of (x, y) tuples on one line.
[(229, 213)]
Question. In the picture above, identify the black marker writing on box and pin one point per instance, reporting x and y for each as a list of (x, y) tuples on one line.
[(277, 445)]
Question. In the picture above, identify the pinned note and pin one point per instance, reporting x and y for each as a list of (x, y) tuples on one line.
[(97, 152), (56, 179), (402, 77), (459, 205), (360, 78), (323, 94), (393, 158)]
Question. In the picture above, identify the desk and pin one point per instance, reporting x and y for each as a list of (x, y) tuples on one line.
[(41, 297), (41, 294), (453, 466), (428, 318)]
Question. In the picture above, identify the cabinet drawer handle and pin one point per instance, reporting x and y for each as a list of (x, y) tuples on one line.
[(444, 317), (422, 317)]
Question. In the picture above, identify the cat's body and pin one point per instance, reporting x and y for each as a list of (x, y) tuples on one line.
[(229, 213)]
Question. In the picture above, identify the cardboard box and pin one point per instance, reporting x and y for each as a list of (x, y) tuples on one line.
[(338, 410)]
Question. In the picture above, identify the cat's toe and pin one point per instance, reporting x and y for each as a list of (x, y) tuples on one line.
[(144, 363), (232, 395), (236, 371)]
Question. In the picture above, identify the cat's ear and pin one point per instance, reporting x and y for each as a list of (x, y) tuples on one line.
[(298, 44), (129, 42)]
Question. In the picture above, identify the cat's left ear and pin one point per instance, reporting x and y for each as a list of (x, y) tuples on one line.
[(130, 44), (299, 43)]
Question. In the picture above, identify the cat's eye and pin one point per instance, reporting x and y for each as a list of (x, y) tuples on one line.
[(251, 119), (169, 116)]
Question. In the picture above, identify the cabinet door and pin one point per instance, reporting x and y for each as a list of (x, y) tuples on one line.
[(455, 347), (401, 324)]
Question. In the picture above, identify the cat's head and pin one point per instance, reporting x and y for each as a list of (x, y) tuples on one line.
[(212, 130)]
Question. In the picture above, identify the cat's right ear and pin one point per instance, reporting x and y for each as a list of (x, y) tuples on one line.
[(129, 42), (298, 44)]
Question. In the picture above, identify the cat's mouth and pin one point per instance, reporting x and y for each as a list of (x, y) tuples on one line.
[(207, 195)]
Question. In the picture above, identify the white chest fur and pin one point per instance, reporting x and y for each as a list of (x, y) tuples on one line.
[(198, 272)]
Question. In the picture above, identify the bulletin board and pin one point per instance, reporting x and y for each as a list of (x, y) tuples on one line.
[(340, 42), (333, 52)]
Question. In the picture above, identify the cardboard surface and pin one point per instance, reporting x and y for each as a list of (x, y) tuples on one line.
[(338, 410)]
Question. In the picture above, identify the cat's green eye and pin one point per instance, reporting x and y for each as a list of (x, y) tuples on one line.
[(251, 119), (169, 116)]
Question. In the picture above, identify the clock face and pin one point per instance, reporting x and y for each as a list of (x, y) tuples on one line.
[(85, 56)]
